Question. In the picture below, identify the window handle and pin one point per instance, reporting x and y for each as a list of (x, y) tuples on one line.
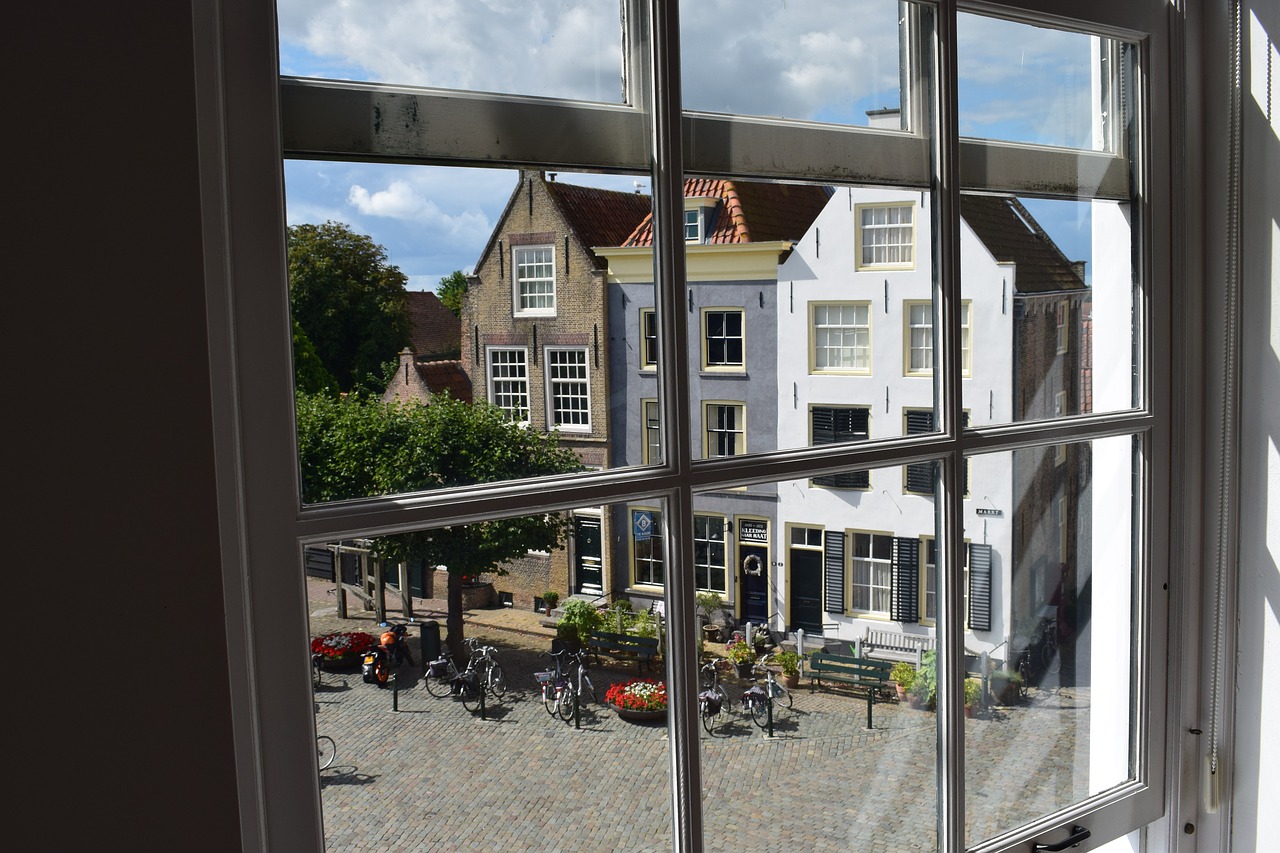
[(1078, 834)]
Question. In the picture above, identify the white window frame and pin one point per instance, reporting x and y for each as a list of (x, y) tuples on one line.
[(648, 342), (901, 236), (650, 431), (656, 561), (1063, 316), (493, 359), (693, 225), (240, 127), (707, 568), (557, 383), (859, 351), (527, 289), (918, 354)]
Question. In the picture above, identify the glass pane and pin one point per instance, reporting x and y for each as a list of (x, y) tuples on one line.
[(491, 763), (840, 579), (412, 284), (1021, 83), (1059, 565), (796, 61), (1047, 289), (562, 50)]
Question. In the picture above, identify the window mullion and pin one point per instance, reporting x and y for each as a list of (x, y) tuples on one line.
[(663, 52), (948, 388)]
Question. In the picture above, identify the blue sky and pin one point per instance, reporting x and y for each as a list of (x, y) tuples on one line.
[(788, 58)]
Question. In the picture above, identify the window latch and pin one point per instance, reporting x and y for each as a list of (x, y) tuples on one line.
[(1078, 834)]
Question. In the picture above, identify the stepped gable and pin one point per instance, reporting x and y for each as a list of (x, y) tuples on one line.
[(1011, 234), (749, 211)]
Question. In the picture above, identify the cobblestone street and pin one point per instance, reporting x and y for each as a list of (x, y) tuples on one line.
[(433, 776)]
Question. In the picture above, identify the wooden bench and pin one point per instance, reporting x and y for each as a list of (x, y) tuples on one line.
[(623, 646), (871, 675), (896, 646)]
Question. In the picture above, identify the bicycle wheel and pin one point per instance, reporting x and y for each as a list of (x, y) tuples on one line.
[(781, 696), (441, 686), (710, 719), (759, 710), (326, 750), (1052, 660), (587, 691), (549, 697), (471, 697), (1024, 670), (568, 698), (497, 680)]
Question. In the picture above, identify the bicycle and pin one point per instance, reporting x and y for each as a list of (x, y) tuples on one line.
[(755, 699), (713, 699), (326, 751), (1049, 656), (578, 686), (491, 674), (440, 674)]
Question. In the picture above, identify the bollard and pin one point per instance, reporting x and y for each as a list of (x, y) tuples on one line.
[(482, 716), (769, 711), (986, 685), (395, 693), (577, 722)]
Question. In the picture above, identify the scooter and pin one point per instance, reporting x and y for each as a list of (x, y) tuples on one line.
[(392, 650)]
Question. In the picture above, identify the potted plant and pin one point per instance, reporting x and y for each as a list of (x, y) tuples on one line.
[(638, 699), (342, 648), (708, 603), (577, 621), (1006, 686), (789, 662), (972, 695), (742, 656), (923, 691), (902, 675), (550, 599)]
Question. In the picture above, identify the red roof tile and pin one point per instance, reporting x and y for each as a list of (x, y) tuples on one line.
[(597, 216), (749, 211), (443, 376)]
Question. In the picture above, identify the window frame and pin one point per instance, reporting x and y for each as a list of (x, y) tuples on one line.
[(551, 382), (851, 549), (491, 393), (244, 130), (860, 241), (648, 340), (863, 477), (727, 543), (649, 428), (814, 348), (740, 442), (656, 563), (518, 282), (710, 366)]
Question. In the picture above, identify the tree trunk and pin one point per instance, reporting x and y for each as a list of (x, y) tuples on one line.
[(453, 621)]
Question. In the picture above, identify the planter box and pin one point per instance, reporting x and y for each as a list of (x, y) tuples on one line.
[(476, 596)]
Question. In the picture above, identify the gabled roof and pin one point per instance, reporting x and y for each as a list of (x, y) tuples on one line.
[(433, 330), (749, 211), (1012, 235), (448, 376), (599, 217)]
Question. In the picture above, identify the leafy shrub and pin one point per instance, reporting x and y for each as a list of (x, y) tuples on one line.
[(581, 617), (903, 673)]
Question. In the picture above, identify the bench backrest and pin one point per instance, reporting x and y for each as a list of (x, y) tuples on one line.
[(896, 640), (607, 639), (862, 668)]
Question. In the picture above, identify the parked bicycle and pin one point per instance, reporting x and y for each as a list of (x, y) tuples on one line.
[(567, 684), (442, 672), (755, 699), (713, 699)]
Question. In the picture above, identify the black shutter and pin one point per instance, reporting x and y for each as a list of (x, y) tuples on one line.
[(905, 604), (836, 425), (833, 557), (979, 587), (920, 475)]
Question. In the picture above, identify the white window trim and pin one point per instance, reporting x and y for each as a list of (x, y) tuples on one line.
[(814, 349), (517, 294), (858, 229), (648, 349), (491, 392), (728, 543), (740, 442), (551, 382), (646, 448), (731, 367), (865, 613)]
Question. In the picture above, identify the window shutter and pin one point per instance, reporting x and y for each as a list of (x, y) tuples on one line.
[(906, 580), (979, 587), (920, 475), (833, 555), (824, 426), (834, 425)]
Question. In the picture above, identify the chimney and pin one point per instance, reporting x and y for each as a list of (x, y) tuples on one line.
[(886, 118)]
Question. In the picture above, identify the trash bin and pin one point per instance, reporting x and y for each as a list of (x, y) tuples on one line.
[(429, 645)]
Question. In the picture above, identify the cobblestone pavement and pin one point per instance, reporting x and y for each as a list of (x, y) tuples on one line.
[(432, 776)]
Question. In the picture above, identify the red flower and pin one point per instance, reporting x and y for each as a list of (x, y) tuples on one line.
[(341, 644), (638, 694)]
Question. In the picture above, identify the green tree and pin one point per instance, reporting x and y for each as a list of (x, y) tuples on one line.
[(350, 302), (308, 373), (353, 447), (450, 291)]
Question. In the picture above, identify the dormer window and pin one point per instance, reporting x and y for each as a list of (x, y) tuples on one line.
[(693, 225)]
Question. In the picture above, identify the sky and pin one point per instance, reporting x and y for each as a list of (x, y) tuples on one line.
[(784, 58)]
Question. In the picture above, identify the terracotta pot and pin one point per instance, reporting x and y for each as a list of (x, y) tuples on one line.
[(791, 682), (902, 691)]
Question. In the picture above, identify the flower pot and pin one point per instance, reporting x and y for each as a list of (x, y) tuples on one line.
[(902, 691), (711, 632), (639, 716), (744, 669), (791, 682)]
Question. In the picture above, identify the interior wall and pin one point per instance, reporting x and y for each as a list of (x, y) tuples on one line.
[(118, 660)]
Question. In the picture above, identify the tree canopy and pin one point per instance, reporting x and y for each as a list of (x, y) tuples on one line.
[(450, 291), (353, 447), (349, 301)]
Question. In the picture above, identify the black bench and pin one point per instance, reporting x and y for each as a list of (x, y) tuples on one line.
[(623, 646), (871, 675)]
